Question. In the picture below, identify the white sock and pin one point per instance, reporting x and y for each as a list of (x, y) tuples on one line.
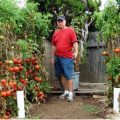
[(70, 94), (66, 92)]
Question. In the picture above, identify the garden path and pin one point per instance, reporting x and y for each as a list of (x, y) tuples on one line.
[(83, 107)]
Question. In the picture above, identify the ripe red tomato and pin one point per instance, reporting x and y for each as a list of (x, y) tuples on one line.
[(22, 80), (8, 93), (33, 59), (36, 78), (8, 113), (25, 82), (15, 60), (3, 94), (40, 94), (16, 69), (19, 88), (20, 68), (0, 63), (34, 62), (29, 71), (37, 67), (116, 50), (3, 81), (15, 88), (11, 84), (40, 80), (14, 84), (27, 60), (19, 62)]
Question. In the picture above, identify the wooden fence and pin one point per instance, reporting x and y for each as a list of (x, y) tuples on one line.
[(93, 71)]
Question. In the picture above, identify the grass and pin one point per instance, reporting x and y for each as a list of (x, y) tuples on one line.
[(91, 108)]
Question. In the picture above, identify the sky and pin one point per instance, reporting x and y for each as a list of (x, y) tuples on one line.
[(21, 3), (103, 3)]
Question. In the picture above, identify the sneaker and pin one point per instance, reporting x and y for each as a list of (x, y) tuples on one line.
[(70, 99), (63, 96)]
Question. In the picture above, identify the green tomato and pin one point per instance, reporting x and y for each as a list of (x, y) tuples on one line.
[(12, 47), (1, 37), (10, 62)]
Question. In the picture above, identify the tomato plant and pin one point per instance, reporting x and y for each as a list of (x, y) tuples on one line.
[(22, 55), (106, 23)]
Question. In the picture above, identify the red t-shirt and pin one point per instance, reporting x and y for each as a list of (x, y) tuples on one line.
[(63, 39)]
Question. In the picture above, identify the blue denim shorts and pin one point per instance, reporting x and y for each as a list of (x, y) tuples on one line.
[(64, 66)]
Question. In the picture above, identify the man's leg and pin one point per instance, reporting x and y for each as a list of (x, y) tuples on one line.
[(64, 82), (65, 85), (61, 85), (58, 71), (68, 68), (70, 86)]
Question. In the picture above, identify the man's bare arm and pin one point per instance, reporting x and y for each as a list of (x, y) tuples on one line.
[(75, 47), (53, 53)]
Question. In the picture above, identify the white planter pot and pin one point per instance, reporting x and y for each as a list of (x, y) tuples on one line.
[(116, 100)]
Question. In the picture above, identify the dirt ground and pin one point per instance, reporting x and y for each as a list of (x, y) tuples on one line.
[(83, 107)]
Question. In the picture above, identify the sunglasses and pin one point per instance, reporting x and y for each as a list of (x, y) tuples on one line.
[(60, 21)]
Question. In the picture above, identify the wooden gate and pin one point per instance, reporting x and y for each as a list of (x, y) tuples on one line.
[(93, 71)]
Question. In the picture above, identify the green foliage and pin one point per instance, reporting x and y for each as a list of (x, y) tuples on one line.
[(108, 21), (113, 76), (12, 102), (94, 5), (75, 7), (8, 10), (26, 23), (23, 45), (78, 23), (113, 69)]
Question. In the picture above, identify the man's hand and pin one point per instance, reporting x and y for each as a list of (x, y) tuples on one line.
[(52, 60), (75, 54)]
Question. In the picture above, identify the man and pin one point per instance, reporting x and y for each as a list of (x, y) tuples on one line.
[(64, 51)]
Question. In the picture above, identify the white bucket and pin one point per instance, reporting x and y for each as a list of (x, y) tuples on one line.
[(75, 78)]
